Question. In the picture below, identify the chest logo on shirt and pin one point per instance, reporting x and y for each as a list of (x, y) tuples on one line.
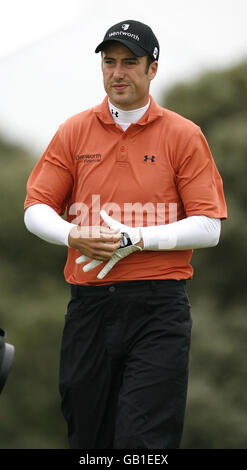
[(151, 159), (89, 157)]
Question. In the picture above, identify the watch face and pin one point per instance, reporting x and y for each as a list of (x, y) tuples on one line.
[(125, 240)]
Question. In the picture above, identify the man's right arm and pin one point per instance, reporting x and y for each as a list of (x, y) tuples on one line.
[(97, 242)]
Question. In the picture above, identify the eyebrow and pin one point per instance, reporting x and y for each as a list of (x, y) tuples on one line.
[(125, 58)]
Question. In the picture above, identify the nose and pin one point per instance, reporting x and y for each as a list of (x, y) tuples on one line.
[(118, 72)]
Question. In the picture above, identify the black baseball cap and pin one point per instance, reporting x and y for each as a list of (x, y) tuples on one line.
[(137, 37)]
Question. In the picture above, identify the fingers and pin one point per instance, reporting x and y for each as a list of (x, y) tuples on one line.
[(93, 264), (109, 221), (107, 267), (82, 259), (110, 235), (96, 233), (118, 255), (103, 254), (103, 251)]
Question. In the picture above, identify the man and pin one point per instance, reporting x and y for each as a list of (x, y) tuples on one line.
[(141, 191)]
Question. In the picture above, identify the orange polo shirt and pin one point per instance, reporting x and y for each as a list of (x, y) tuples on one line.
[(159, 170)]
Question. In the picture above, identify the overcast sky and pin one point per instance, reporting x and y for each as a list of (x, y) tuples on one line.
[(49, 71)]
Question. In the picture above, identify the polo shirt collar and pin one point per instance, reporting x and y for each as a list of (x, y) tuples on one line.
[(103, 113)]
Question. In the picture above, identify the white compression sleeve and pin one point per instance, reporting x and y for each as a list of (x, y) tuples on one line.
[(43, 221), (197, 231)]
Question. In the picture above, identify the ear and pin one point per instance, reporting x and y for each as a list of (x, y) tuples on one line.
[(153, 68)]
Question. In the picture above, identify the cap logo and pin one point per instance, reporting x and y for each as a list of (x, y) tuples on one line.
[(155, 52), (125, 26)]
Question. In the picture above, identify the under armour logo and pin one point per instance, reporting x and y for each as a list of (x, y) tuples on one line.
[(146, 158), (115, 113)]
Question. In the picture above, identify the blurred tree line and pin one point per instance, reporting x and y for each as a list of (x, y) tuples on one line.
[(217, 402), (34, 294)]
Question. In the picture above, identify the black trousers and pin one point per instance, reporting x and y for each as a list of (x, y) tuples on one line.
[(124, 365)]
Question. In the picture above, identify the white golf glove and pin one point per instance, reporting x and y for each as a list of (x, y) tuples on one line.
[(131, 236)]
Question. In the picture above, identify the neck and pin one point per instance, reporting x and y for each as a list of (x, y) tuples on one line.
[(122, 116)]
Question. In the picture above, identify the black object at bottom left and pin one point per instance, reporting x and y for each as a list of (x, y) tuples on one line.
[(6, 358)]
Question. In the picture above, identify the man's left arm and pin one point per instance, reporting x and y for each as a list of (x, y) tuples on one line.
[(197, 231)]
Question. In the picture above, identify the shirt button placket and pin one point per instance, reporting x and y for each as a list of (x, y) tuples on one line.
[(123, 154)]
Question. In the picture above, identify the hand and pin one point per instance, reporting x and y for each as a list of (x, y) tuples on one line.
[(131, 236), (95, 242), (128, 244)]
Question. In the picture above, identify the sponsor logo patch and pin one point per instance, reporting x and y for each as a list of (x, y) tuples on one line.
[(89, 157)]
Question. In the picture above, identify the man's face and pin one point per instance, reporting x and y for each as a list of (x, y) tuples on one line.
[(126, 79)]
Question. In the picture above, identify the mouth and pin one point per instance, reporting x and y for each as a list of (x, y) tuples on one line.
[(120, 87)]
